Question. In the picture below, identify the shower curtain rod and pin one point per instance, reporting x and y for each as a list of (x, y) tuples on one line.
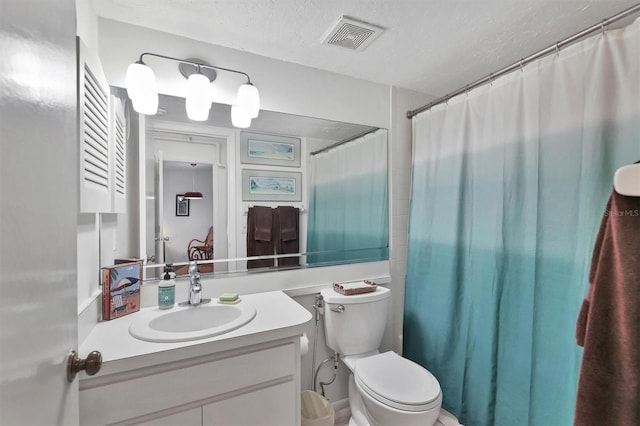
[(524, 61), (327, 148)]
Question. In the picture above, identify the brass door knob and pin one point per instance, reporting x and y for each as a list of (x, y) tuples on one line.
[(91, 364)]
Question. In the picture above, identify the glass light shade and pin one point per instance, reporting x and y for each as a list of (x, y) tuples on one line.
[(199, 98), (142, 88), (248, 99), (239, 118), (146, 103)]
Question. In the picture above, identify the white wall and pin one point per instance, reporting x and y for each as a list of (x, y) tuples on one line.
[(337, 390), (400, 134), (87, 23)]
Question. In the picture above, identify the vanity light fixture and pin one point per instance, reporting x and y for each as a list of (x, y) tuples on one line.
[(193, 195), (143, 92)]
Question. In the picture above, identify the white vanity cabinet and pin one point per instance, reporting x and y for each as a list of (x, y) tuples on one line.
[(248, 376), (267, 406), (254, 385), (192, 417)]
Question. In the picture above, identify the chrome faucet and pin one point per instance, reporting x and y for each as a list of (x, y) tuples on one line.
[(195, 288)]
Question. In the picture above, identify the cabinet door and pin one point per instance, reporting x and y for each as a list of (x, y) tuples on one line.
[(274, 405), (191, 417), (118, 153), (93, 113)]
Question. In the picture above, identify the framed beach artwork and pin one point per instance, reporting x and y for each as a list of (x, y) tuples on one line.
[(269, 150), (266, 185)]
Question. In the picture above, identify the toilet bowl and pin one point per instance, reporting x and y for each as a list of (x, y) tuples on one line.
[(384, 388), (390, 390)]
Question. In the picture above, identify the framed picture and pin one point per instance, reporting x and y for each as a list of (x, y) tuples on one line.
[(265, 185), (182, 205), (269, 150)]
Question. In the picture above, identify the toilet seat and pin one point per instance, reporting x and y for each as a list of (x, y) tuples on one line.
[(397, 382)]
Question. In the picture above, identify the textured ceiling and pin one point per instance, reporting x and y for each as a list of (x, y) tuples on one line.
[(431, 46)]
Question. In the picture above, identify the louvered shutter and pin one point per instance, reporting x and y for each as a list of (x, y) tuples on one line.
[(93, 110), (118, 157)]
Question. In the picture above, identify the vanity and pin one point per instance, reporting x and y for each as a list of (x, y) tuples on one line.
[(249, 375)]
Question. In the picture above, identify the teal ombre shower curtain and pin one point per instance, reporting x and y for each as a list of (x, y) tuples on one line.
[(348, 201), (509, 184)]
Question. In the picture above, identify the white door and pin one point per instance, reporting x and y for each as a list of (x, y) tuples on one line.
[(39, 204)]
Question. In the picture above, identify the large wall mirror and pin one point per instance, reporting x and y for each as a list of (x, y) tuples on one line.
[(295, 191)]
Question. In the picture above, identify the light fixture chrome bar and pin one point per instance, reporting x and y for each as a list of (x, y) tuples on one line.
[(524, 61), (342, 142), (196, 64)]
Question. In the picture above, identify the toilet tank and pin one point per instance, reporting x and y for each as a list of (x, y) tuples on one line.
[(360, 326)]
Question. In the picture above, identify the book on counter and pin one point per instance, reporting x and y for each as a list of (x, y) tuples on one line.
[(128, 260), (121, 289)]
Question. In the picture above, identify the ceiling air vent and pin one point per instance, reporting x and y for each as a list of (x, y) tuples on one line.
[(352, 34)]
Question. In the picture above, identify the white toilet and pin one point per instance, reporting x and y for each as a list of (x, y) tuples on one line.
[(384, 388)]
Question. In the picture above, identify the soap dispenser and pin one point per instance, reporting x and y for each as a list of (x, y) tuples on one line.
[(167, 289)]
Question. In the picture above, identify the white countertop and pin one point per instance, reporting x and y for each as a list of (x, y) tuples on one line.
[(278, 317)]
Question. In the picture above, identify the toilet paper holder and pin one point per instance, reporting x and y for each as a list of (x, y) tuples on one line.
[(304, 344)]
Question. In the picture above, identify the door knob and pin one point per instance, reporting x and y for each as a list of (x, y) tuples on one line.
[(91, 364)]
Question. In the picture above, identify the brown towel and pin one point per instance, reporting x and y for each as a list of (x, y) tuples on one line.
[(255, 245), (263, 217), (608, 325), (287, 230)]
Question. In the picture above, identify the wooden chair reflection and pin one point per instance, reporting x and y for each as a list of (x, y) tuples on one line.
[(202, 250)]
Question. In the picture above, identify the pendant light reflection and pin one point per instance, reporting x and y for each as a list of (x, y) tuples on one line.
[(239, 118), (199, 97), (142, 88), (193, 194)]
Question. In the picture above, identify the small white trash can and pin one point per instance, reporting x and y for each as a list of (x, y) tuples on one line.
[(316, 410)]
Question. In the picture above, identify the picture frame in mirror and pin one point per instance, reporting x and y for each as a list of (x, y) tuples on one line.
[(267, 185), (182, 205), (269, 150)]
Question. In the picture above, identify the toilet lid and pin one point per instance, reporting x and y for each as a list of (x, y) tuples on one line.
[(397, 382)]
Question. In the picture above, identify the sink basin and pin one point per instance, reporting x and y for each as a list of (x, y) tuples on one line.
[(191, 322)]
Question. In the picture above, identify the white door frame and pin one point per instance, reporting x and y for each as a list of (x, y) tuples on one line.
[(229, 135)]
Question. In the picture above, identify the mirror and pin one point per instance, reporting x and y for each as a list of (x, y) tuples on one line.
[(333, 173)]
